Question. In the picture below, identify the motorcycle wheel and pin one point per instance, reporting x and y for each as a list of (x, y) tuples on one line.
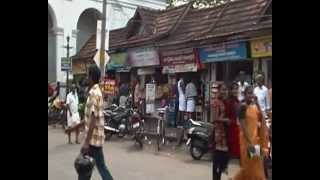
[(108, 135), (196, 152)]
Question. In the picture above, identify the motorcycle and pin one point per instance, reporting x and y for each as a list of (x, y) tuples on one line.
[(56, 113), (137, 128), (199, 138), (117, 120)]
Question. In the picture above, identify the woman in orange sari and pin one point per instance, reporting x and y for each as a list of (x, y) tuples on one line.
[(253, 132)]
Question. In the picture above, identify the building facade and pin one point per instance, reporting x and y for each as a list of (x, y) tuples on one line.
[(78, 20)]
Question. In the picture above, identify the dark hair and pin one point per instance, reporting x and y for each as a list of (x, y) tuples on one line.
[(247, 89), (234, 85), (94, 73)]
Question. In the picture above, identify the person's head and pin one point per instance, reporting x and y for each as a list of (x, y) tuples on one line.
[(242, 76), (223, 91), (214, 91), (94, 74), (73, 87), (234, 90), (248, 93), (259, 79)]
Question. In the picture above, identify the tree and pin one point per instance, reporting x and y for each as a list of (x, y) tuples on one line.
[(197, 3)]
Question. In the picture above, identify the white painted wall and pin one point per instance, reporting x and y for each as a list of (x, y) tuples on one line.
[(66, 14)]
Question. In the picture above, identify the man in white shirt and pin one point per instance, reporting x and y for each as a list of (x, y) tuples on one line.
[(73, 116), (242, 85), (262, 94)]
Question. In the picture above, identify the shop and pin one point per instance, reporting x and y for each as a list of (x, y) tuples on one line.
[(180, 61), (145, 64), (261, 54)]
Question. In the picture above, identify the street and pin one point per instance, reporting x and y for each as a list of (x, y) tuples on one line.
[(127, 162)]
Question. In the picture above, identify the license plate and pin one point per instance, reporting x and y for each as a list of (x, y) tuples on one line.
[(135, 125), (188, 142)]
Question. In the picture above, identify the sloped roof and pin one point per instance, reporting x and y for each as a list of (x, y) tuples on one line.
[(185, 24), (230, 18), (88, 50)]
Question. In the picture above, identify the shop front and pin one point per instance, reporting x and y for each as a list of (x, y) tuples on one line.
[(145, 65), (177, 63), (261, 54)]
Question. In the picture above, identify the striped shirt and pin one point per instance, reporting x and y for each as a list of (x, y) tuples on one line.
[(94, 107)]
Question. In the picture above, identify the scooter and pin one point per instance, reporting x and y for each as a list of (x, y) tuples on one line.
[(199, 138)]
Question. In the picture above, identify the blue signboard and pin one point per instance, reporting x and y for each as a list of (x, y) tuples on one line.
[(223, 52)]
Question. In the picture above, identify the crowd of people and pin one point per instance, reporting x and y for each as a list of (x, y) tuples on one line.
[(238, 113), (240, 131)]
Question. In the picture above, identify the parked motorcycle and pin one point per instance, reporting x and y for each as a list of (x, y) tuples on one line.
[(199, 138), (137, 128), (56, 113), (118, 120)]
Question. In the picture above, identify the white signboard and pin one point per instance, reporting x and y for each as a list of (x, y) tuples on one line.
[(179, 68), (146, 71), (142, 57), (150, 98), (98, 37)]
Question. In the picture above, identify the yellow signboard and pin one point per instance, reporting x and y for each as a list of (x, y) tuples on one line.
[(261, 47), (108, 87)]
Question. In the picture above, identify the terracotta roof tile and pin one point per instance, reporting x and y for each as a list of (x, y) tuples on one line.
[(185, 24)]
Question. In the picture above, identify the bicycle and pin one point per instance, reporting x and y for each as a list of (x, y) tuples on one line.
[(161, 140)]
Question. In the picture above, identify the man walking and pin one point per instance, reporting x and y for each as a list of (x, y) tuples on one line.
[(73, 116), (262, 94), (94, 122)]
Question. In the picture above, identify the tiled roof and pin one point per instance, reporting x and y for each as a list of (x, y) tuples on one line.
[(185, 24)]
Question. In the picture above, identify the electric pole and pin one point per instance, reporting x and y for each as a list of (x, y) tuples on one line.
[(103, 38), (68, 49)]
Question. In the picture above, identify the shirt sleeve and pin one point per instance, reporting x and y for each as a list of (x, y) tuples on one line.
[(94, 106)]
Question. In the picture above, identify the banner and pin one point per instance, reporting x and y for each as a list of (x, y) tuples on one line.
[(261, 47), (223, 52), (109, 87)]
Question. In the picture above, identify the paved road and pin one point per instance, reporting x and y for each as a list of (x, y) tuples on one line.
[(126, 162)]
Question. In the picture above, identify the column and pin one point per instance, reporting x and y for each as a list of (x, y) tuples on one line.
[(61, 52)]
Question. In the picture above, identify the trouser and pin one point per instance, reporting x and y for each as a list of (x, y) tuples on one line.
[(220, 162), (97, 154)]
